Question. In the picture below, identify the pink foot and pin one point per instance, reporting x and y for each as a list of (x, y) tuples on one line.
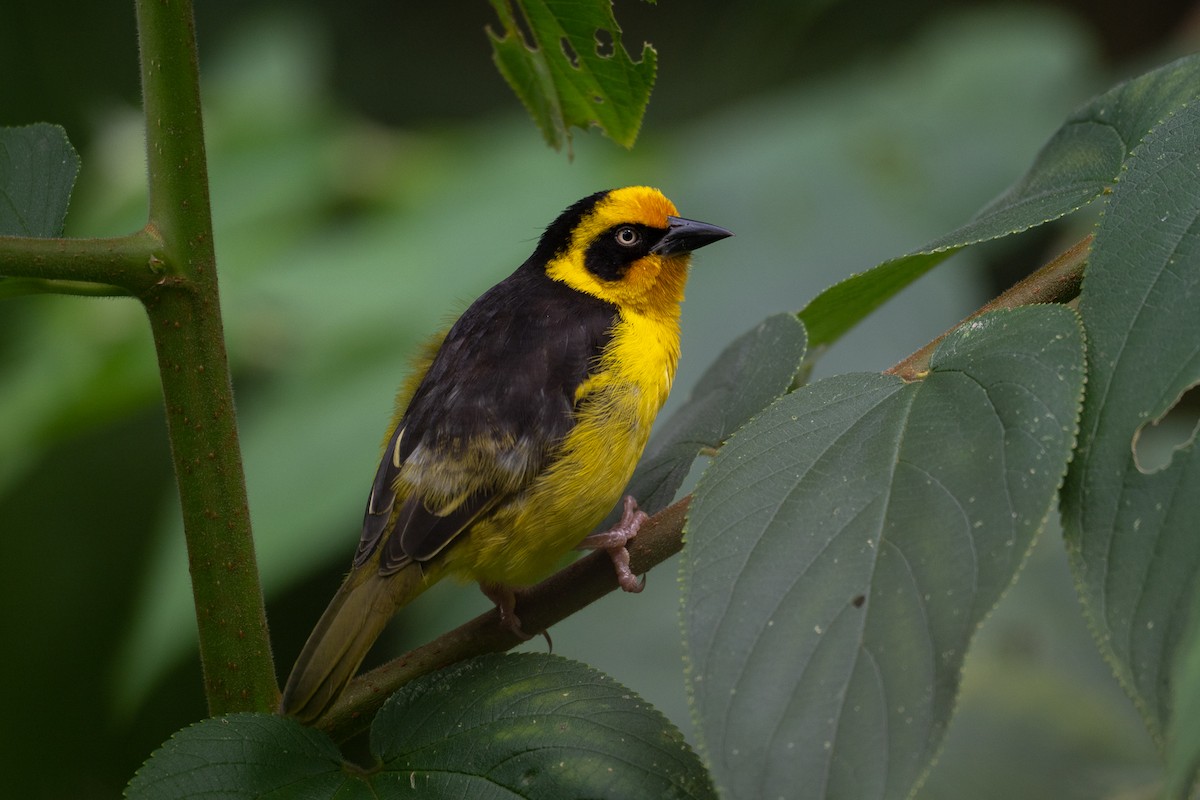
[(506, 604), (614, 541)]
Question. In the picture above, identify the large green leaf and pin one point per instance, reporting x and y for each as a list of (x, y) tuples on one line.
[(516, 726), (1039, 716), (38, 166), (1081, 159), (844, 546), (566, 77), (540, 725), (1132, 530), (248, 756), (755, 369)]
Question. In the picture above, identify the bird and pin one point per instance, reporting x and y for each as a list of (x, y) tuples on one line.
[(518, 429)]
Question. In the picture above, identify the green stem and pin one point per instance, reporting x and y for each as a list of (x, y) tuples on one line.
[(185, 319), (132, 262)]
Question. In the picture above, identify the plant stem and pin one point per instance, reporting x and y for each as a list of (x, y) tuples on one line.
[(185, 319), (661, 537), (131, 262), (1055, 282)]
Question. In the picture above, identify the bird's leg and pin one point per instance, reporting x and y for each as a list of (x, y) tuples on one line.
[(506, 604), (614, 540)]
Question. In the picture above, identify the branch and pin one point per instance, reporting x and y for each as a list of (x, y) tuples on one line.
[(185, 318), (133, 263), (539, 607), (661, 537), (1055, 282)]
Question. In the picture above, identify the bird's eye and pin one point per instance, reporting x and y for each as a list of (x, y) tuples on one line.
[(627, 236)]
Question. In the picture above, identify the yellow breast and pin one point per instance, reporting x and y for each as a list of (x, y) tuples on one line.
[(617, 405)]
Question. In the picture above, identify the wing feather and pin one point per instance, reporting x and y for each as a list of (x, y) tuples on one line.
[(381, 500), (486, 418)]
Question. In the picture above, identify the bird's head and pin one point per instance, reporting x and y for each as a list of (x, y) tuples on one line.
[(627, 247)]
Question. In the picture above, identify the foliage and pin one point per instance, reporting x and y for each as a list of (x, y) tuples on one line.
[(848, 536), (39, 169), (1130, 530), (556, 729), (1079, 162), (564, 77), (845, 545)]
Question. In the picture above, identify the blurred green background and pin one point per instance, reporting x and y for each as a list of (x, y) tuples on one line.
[(371, 174)]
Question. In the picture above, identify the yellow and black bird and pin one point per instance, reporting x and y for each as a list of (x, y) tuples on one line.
[(519, 429)]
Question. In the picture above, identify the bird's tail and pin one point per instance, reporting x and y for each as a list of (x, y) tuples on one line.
[(353, 621)]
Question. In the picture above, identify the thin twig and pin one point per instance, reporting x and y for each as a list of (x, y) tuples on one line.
[(1056, 282)]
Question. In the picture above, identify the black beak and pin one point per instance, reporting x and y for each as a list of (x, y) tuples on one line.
[(686, 235)]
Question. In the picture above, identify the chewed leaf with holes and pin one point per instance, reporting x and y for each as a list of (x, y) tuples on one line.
[(843, 547), (1130, 515), (494, 728), (575, 72)]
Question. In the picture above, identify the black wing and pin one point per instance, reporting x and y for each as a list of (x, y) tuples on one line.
[(486, 418)]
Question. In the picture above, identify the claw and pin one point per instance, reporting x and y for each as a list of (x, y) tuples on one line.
[(615, 540), (506, 604)]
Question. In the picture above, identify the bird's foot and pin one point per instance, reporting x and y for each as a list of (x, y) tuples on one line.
[(506, 604), (614, 541)]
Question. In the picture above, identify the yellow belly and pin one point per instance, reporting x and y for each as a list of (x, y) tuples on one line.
[(524, 540)]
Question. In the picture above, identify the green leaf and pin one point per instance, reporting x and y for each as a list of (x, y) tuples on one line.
[(247, 756), (37, 172), (843, 548), (756, 368), (538, 726), (1132, 530), (565, 76), (1079, 162), (1039, 716), (517, 726)]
